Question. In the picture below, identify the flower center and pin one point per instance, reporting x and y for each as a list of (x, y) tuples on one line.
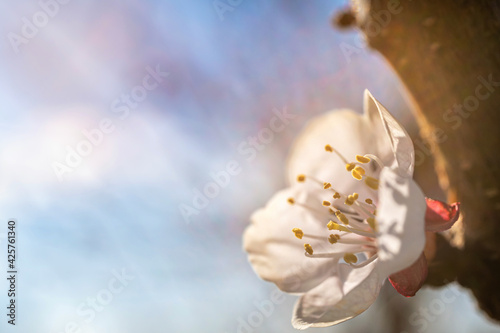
[(351, 219)]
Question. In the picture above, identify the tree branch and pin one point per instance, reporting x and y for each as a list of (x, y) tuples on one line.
[(447, 53)]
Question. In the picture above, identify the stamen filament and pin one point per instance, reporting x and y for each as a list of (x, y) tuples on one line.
[(362, 212), (334, 254), (323, 255), (361, 232), (366, 262), (355, 241), (318, 211), (335, 226), (371, 182), (315, 237), (359, 225), (330, 149), (376, 159)]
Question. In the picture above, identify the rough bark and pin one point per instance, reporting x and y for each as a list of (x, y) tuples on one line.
[(443, 51)]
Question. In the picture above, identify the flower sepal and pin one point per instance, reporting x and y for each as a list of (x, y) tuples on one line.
[(440, 216)]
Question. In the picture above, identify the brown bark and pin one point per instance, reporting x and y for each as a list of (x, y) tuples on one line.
[(444, 51)]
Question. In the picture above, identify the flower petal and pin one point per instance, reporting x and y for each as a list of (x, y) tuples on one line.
[(396, 138), (338, 298), (440, 216), (277, 255), (400, 218), (347, 132), (408, 281)]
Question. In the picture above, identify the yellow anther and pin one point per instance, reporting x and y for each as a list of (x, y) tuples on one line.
[(301, 178), (291, 201), (308, 249), (355, 196), (329, 148), (371, 182), (349, 200), (327, 185), (326, 203), (362, 159), (331, 211), (333, 239), (298, 233), (356, 175), (372, 223), (335, 226), (336, 195), (350, 166), (342, 218), (369, 201), (359, 170), (350, 258), (331, 225), (375, 212)]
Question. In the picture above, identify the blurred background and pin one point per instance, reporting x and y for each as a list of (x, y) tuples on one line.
[(115, 114)]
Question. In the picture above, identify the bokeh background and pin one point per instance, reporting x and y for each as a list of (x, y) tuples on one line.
[(118, 211)]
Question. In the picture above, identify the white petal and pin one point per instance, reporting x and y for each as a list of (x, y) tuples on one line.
[(396, 141), (277, 255), (345, 131), (338, 298), (401, 223)]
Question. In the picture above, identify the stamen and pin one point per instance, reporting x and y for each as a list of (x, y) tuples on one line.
[(350, 258), (362, 209), (308, 249), (356, 175), (359, 225), (350, 166), (298, 233), (336, 195), (324, 255), (326, 203), (291, 201), (335, 226), (314, 179), (369, 201), (371, 182), (335, 254), (327, 186), (330, 149), (366, 262), (376, 159), (342, 217), (333, 238), (362, 159), (356, 241), (316, 210), (360, 170), (301, 178), (372, 223), (351, 198)]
